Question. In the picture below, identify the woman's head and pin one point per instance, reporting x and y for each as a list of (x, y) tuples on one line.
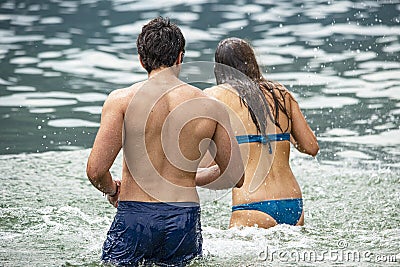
[(233, 55), (238, 54)]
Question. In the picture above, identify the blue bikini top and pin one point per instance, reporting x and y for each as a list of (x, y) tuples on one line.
[(263, 139)]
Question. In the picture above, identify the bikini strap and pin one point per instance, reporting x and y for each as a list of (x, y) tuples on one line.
[(255, 138)]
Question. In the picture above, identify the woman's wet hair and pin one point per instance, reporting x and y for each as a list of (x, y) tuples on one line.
[(234, 54), (160, 43)]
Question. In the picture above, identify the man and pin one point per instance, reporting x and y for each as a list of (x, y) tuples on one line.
[(164, 127)]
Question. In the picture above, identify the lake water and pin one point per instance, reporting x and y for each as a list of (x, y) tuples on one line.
[(60, 59)]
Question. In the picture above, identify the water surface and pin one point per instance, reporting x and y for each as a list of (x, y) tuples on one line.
[(60, 59)]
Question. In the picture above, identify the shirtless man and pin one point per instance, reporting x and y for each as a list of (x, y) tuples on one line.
[(164, 127)]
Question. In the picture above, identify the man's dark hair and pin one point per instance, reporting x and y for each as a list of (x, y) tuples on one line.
[(160, 43)]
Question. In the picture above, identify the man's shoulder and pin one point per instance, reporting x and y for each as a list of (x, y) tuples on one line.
[(124, 94), (208, 101), (120, 98)]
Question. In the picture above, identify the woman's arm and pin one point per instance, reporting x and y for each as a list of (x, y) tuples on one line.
[(303, 137)]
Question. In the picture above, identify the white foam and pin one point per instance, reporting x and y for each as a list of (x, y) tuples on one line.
[(57, 41), (22, 88), (395, 112), (308, 78), (364, 56), (317, 30), (340, 132), (33, 71), (386, 39), (48, 99), (51, 74), (9, 235), (193, 35), (122, 5), (23, 20), (4, 82), (72, 123), (387, 138), (265, 44), (95, 63), (192, 54), (331, 7), (382, 76), (234, 24), (24, 60), (89, 109), (385, 126), (90, 97), (42, 110), (21, 38), (128, 29), (51, 20), (273, 60), (374, 65), (327, 102), (353, 154), (393, 93), (392, 48), (232, 15), (183, 16), (50, 54)]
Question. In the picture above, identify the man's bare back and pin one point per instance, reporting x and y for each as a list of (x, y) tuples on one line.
[(163, 131), (165, 128)]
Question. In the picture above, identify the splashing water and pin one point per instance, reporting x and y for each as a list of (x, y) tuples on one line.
[(60, 59)]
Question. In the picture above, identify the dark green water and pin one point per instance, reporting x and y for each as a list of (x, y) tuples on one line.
[(60, 59)]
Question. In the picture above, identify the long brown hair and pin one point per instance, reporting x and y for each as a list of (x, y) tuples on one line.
[(239, 55)]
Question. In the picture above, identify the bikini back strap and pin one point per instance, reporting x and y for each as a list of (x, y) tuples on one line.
[(254, 138)]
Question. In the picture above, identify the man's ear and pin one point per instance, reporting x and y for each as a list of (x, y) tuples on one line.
[(141, 61), (179, 60)]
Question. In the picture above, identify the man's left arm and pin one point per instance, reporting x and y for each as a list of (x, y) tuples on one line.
[(106, 147)]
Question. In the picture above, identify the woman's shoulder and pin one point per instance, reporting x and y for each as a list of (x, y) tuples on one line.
[(220, 91)]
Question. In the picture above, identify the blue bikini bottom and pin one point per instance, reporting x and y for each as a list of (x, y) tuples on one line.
[(284, 211)]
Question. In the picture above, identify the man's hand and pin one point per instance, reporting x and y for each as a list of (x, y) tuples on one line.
[(114, 199)]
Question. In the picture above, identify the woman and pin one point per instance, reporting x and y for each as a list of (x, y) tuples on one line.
[(265, 118)]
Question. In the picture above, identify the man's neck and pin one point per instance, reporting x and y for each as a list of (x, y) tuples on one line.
[(164, 71)]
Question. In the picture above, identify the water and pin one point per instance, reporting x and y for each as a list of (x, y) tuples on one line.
[(60, 59)]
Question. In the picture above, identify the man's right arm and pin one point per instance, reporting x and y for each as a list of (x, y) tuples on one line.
[(106, 146), (230, 171)]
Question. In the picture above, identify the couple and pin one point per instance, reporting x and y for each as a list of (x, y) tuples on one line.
[(168, 129)]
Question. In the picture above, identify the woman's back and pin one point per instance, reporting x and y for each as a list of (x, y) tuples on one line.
[(268, 175), (260, 163), (266, 119)]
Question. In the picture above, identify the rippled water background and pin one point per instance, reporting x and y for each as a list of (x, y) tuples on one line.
[(60, 59)]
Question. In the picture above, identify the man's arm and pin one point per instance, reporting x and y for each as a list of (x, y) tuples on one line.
[(106, 146), (204, 176), (229, 171)]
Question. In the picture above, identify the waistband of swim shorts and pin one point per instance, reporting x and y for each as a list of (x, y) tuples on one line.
[(155, 207)]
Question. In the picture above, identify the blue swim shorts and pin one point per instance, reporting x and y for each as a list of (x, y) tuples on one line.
[(164, 234)]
